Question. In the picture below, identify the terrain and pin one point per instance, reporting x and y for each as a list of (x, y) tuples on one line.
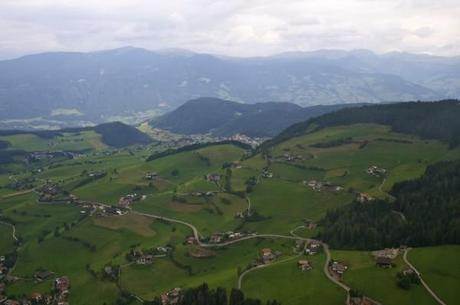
[(224, 215), (131, 84), (226, 118)]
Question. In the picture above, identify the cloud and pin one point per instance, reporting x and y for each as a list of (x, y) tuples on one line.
[(232, 27)]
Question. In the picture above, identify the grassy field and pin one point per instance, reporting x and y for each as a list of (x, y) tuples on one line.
[(84, 140), (440, 269), (62, 239), (378, 283), (220, 270), (284, 281)]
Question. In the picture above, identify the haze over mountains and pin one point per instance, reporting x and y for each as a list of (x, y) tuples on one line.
[(225, 118), (84, 88)]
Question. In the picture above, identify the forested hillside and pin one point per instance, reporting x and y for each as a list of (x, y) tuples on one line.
[(426, 212), (433, 120), (225, 118)]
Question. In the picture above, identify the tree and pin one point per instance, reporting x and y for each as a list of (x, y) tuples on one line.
[(236, 297)]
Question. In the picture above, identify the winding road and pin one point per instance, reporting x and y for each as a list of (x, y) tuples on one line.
[(441, 302)]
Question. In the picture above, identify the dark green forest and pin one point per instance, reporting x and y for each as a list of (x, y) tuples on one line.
[(431, 120), (426, 212), (203, 295)]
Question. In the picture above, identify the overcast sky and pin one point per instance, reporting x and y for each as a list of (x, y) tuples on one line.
[(232, 27)]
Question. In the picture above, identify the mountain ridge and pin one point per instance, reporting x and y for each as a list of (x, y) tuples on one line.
[(225, 118), (120, 82)]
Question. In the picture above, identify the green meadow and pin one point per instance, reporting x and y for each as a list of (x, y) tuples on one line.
[(60, 238), (440, 269)]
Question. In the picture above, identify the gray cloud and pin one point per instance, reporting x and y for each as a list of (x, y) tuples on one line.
[(233, 27)]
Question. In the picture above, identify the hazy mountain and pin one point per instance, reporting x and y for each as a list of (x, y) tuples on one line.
[(99, 86), (224, 118)]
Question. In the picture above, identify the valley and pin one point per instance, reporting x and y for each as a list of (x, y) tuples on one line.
[(125, 229)]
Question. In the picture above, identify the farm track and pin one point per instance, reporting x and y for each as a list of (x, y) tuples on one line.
[(13, 227), (433, 294)]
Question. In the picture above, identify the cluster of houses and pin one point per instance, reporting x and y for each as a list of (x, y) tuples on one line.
[(217, 238), (266, 173), (171, 297), (61, 290), (202, 194), (58, 296), (376, 171), (292, 158), (146, 257), (49, 192), (139, 257), (337, 269), (323, 186), (127, 200), (3, 267)]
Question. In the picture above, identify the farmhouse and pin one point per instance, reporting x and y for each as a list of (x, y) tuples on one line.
[(190, 240), (172, 297), (376, 171), (291, 158), (364, 197), (391, 253), (304, 265), (96, 174), (266, 255), (323, 186), (43, 275), (338, 268), (384, 262), (267, 173), (216, 238), (151, 176), (144, 259), (213, 177), (313, 248)]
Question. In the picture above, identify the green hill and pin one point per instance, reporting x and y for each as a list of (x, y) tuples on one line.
[(225, 118), (432, 120)]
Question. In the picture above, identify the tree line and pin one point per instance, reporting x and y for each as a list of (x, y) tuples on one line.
[(426, 212), (203, 295), (430, 120)]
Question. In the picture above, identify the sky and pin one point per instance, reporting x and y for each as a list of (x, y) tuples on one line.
[(230, 27)]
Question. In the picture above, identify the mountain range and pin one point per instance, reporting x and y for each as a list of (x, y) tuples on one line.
[(225, 118), (85, 88)]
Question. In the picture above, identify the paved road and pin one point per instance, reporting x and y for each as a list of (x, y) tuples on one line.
[(293, 236), (242, 275), (326, 269), (421, 280)]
